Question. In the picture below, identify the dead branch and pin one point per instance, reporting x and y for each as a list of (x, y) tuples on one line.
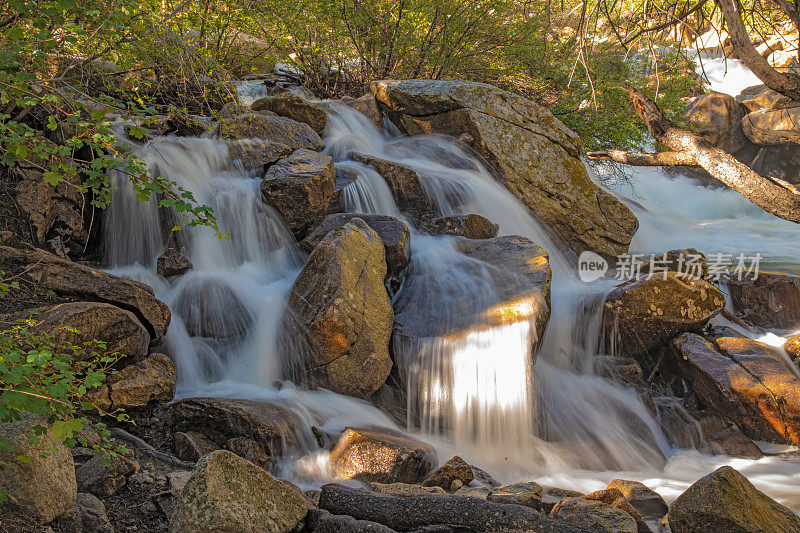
[(659, 159)]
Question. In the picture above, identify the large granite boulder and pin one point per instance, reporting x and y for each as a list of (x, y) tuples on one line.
[(270, 127), (769, 301), (133, 387), (780, 126), (228, 493), (594, 515), (725, 500), (340, 312), (744, 381), (768, 99), (300, 188), (535, 155), (295, 107), (717, 118)]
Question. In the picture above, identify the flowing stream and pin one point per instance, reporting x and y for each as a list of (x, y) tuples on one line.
[(480, 393)]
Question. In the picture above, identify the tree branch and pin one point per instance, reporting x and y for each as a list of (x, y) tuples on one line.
[(659, 159)]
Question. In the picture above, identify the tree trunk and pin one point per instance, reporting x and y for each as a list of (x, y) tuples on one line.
[(775, 196)]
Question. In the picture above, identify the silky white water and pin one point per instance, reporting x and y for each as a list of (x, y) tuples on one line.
[(479, 393)]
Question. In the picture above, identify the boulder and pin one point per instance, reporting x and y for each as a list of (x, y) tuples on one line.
[(454, 469), (172, 263), (778, 161), (769, 301), (340, 311), (469, 226), (781, 126), (645, 313), (366, 105), (594, 515), (133, 387), (228, 493), (768, 99), (732, 442), (792, 347), (726, 499), (301, 189), (687, 262), (645, 500), (88, 516), (404, 489), (44, 487), (615, 498), (405, 183), (534, 154), (257, 154), (381, 455), (249, 449), (190, 446), (717, 118), (394, 235), (272, 427), (551, 496), (210, 308), (119, 329), (622, 369), (528, 494), (270, 127), (66, 278), (745, 382), (295, 107), (104, 480), (321, 521)]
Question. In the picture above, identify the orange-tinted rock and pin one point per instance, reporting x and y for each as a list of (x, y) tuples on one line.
[(645, 500), (615, 498)]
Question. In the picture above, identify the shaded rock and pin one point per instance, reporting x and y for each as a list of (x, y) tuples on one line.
[(404, 182), (551, 496), (191, 446), (717, 118), (781, 126), (726, 499), (135, 386), (269, 127), (474, 492), (528, 494), (483, 478), (778, 161), (44, 487), (366, 105), (71, 279), (394, 235), (301, 189), (469, 226), (381, 455), (119, 329), (454, 469), (745, 382), (732, 442), (770, 301), (104, 480), (172, 263), (88, 516), (404, 514), (615, 498), (405, 489), (228, 493), (594, 515), (622, 369), (250, 450), (270, 426), (321, 521), (210, 308), (642, 314), (534, 154), (340, 311), (646, 501), (295, 107), (688, 262), (768, 99), (257, 153)]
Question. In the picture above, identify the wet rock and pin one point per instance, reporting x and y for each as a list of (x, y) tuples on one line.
[(190, 446), (454, 469), (404, 514), (622, 369), (135, 386), (104, 480), (119, 329), (768, 99), (594, 515), (301, 189), (381, 455), (210, 308), (269, 127), (228, 493), (255, 154), (482, 478), (781, 126), (44, 487), (88, 516), (321, 521), (551, 496), (615, 498), (643, 314), (732, 442), (405, 489), (769, 301), (71, 279), (744, 381), (250, 450), (340, 311), (689, 262), (534, 154), (366, 105), (469, 226), (528, 494), (270, 426), (717, 118), (726, 499), (295, 107), (172, 263), (404, 182), (646, 501), (394, 235)]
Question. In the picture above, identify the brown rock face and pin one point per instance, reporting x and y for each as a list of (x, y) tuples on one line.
[(534, 154), (172, 263), (292, 106), (301, 188), (744, 381), (257, 153), (615, 498), (645, 500), (725, 500), (340, 312), (404, 182), (642, 314), (594, 515), (454, 469), (781, 126), (191, 446), (469, 226), (792, 347), (381, 455), (270, 127), (366, 105), (770, 301), (730, 441), (717, 118), (768, 99), (137, 385), (393, 233)]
